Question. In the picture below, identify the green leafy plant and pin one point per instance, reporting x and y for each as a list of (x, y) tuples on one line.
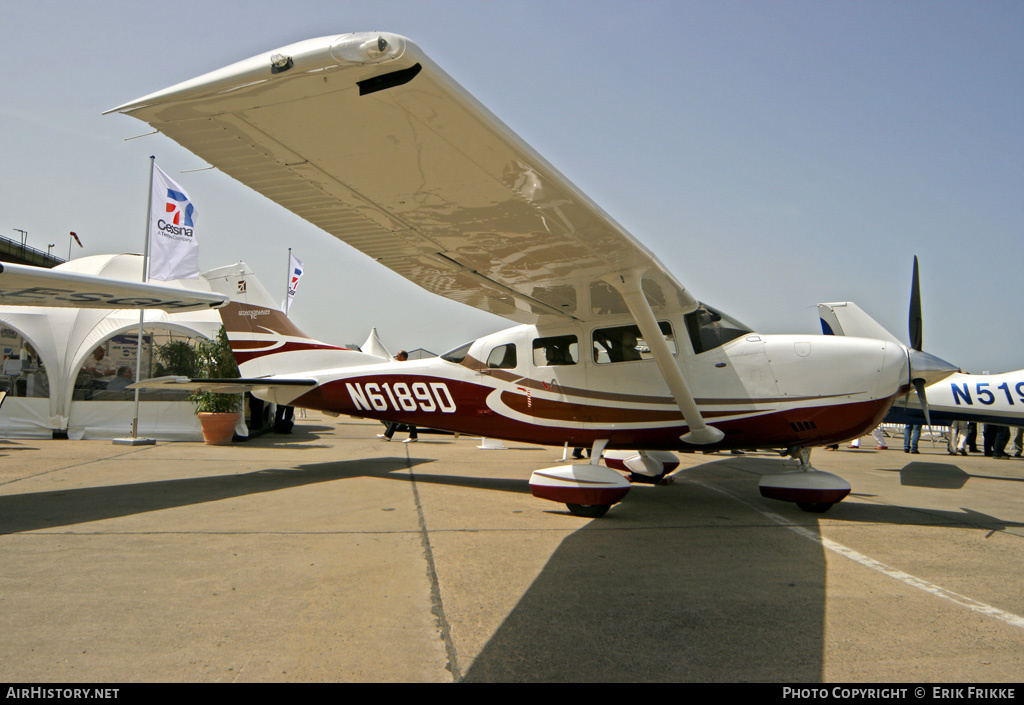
[(215, 360), (177, 357)]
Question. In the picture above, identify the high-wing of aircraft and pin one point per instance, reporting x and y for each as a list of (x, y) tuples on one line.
[(24, 285), (364, 136), (997, 399)]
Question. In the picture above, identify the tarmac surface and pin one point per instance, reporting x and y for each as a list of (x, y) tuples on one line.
[(329, 556)]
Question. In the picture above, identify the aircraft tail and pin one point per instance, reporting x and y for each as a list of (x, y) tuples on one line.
[(265, 342), (847, 318)]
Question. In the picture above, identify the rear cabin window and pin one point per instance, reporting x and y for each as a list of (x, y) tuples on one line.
[(502, 357), (625, 344), (556, 350)]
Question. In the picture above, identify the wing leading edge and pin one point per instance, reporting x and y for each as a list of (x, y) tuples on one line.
[(365, 137)]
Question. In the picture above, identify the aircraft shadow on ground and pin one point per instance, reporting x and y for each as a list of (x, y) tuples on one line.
[(494, 484), (713, 471), (942, 475), (663, 590), (938, 475), (917, 516), (918, 474), (643, 596), (300, 434), (33, 511)]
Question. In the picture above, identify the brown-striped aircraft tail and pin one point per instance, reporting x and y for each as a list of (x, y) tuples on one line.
[(265, 342)]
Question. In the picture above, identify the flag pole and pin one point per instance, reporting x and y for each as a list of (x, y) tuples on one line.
[(135, 440), (287, 281)]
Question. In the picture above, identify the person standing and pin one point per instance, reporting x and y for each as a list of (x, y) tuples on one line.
[(911, 436), (1000, 437), (972, 437), (957, 440), (876, 434), (1017, 433)]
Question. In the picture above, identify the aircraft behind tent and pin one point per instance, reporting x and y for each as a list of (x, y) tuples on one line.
[(366, 137)]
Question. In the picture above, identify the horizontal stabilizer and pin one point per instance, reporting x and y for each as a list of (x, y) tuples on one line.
[(225, 386)]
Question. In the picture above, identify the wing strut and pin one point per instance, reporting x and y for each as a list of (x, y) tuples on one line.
[(628, 284)]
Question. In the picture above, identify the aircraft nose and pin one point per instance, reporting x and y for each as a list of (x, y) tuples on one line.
[(928, 367)]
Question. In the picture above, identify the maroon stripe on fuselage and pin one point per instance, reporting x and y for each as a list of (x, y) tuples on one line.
[(241, 355), (808, 426), (552, 410)]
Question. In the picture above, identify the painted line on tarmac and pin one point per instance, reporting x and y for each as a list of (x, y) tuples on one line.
[(905, 578), (444, 626)]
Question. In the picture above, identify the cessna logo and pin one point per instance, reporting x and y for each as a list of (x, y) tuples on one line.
[(179, 215), (170, 229)]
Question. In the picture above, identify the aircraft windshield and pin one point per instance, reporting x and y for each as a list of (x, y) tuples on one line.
[(709, 329)]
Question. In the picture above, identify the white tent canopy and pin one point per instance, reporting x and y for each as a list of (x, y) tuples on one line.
[(43, 398)]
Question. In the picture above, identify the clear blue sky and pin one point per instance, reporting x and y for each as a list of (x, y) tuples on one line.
[(771, 154)]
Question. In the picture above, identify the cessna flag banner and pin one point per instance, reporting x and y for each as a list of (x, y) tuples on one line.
[(174, 252), (295, 270)]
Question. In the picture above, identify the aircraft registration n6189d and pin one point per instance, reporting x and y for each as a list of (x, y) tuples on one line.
[(364, 136)]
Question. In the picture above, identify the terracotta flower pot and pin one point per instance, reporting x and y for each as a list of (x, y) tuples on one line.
[(218, 429)]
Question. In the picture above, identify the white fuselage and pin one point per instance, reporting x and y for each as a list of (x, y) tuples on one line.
[(760, 390)]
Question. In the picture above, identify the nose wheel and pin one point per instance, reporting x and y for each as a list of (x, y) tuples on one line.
[(815, 507), (812, 490)]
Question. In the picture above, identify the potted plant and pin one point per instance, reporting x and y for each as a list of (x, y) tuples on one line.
[(218, 413)]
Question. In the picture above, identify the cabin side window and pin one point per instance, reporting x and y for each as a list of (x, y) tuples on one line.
[(556, 350), (502, 357), (625, 344), (709, 329)]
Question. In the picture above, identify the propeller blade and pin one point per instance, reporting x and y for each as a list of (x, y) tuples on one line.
[(916, 323), (919, 386)]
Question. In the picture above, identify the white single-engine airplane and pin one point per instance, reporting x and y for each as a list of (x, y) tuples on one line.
[(365, 137)]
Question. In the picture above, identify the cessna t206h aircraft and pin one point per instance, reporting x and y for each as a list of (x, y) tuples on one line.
[(365, 137)]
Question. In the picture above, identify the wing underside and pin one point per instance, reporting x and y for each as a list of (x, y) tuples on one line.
[(365, 137), (23, 285)]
